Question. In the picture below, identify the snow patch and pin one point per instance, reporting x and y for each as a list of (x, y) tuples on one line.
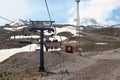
[(72, 42), (6, 53), (59, 38), (19, 22), (64, 29), (15, 28), (101, 43), (25, 37)]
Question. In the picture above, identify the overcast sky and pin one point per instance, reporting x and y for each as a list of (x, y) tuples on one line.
[(62, 11)]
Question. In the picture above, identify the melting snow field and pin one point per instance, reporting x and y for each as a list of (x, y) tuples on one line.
[(23, 37), (6, 53), (101, 43), (68, 29), (12, 29)]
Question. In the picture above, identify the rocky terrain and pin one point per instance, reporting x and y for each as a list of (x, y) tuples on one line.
[(97, 65), (99, 60)]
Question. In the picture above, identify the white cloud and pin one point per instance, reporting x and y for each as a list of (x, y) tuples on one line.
[(71, 11), (117, 17), (72, 18), (98, 9), (14, 9), (110, 22)]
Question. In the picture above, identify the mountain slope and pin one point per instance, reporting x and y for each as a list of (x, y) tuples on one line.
[(18, 22), (89, 21)]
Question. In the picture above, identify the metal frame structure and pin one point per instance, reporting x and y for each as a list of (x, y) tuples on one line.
[(41, 26)]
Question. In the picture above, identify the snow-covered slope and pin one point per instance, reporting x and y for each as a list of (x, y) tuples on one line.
[(6, 53), (16, 25), (66, 29), (70, 29), (25, 37), (19, 22), (14, 28)]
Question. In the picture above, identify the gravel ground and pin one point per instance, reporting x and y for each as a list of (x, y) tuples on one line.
[(101, 70), (67, 69), (102, 65)]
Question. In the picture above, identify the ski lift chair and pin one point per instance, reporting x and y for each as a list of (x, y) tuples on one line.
[(52, 44)]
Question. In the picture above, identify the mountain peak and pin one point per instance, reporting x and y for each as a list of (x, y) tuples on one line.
[(19, 22), (89, 21)]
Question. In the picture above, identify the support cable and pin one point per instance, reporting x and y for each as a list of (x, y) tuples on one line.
[(5, 19), (48, 10), (50, 15)]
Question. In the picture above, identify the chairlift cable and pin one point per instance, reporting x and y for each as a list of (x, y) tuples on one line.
[(48, 10), (49, 15), (51, 19), (5, 19)]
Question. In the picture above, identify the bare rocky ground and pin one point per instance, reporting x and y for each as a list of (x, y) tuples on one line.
[(105, 66), (100, 63), (97, 65), (58, 65)]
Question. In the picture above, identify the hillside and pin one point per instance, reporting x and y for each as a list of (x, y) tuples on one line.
[(89, 37), (98, 47), (60, 65), (19, 66), (109, 31)]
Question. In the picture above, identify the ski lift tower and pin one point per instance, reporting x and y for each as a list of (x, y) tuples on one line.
[(77, 23), (41, 26), (77, 15)]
